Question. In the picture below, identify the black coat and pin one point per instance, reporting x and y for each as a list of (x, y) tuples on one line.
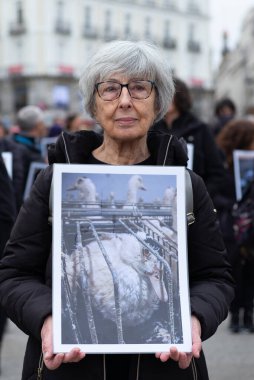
[(207, 161), (26, 269), (7, 218), (18, 168), (7, 206), (31, 152)]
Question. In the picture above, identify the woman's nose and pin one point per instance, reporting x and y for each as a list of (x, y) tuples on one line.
[(125, 98)]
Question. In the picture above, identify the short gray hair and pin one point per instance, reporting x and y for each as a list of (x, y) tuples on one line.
[(28, 117), (135, 60)]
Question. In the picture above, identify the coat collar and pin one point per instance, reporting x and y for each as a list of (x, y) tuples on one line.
[(76, 148)]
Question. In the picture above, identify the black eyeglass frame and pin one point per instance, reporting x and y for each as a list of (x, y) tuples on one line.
[(124, 85)]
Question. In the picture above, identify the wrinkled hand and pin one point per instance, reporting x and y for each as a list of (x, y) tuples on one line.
[(51, 360), (184, 358)]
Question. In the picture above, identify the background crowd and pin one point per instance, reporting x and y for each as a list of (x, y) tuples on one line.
[(213, 161)]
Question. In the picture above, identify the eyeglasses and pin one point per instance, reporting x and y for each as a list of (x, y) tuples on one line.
[(138, 89)]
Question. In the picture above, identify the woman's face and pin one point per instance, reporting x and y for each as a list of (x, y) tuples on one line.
[(125, 118)]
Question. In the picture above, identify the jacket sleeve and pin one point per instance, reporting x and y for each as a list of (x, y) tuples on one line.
[(7, 206), (24, 293), (214, 172), (211, 283)]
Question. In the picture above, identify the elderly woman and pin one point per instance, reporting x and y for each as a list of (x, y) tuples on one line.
[(127, 86)]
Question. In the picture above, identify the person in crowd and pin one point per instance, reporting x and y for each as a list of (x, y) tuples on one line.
[(57, 127), (75, 122), (30, 120), (3, 129), (181, 122), (237, 134), (224, 111), (249, 113), (7, 218), (126, 86), (17, 152)]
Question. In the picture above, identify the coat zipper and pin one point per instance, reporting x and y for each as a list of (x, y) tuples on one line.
[(166, 153), (138, 365), (194, 369), (40, 368), (104, 367), (65, 148)]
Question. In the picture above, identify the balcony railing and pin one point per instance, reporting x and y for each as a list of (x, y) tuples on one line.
[(110, 36), (90, 32), (169, 43), (193, 46), (17, 28), (193, 8), (62, 27)]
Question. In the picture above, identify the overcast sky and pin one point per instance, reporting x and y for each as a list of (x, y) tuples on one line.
[(226, 15)]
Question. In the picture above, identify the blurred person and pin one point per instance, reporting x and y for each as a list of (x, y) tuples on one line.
[(249, 113), (3, 129), (7, 218), (224, 111), (57, 127), (18, 177), (75, 122), (126, 87), (181, 122), (30, 120), (14, 129), (237, 134)]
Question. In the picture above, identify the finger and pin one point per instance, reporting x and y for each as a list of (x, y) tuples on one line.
[(54, 361), (164, 356), (75, 355), (184, 360), (174, 354), (196, 349)]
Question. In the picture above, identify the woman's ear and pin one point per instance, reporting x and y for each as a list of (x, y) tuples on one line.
[(94, 111)]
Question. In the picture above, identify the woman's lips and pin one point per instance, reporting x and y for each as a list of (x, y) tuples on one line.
[(126, 120)]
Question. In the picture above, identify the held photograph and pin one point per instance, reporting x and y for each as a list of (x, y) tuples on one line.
[(120, 281), (244, 170), (8, 161), (34, 170)]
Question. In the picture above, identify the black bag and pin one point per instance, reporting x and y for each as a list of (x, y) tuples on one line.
[(243, 223)]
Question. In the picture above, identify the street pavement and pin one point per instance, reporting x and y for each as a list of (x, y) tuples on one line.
[(229, 356)]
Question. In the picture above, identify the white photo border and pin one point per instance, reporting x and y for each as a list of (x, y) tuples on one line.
[(34, 166), (239, 155), (179, 172)]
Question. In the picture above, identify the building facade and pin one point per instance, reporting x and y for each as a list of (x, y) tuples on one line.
[(45, 44), (235, 76)]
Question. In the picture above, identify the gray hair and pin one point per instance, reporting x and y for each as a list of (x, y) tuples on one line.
[(135, 60), (28, 117)]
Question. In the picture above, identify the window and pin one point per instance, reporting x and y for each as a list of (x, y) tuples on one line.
[(62, 27), (192, 45), (167, 29), (169, 3), (60, 10), (168, 41), (87, 18), (108, 21), (193, 6), (20, 95), (148, 28), (89, 31), (18, 26), (20, 16), (127, 25)]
